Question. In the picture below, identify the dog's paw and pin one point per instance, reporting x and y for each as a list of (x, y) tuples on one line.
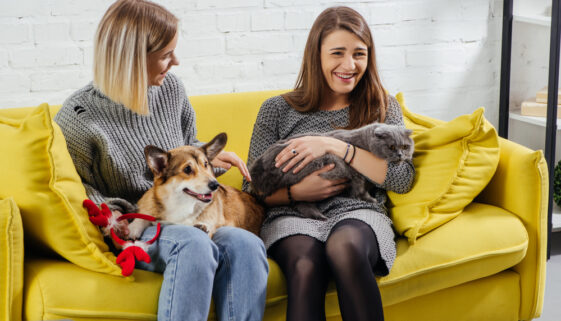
[(203, 227)]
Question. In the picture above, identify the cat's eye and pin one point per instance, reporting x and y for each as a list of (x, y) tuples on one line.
[(405, 147), (188, 170), (392, 147), (206, 164)]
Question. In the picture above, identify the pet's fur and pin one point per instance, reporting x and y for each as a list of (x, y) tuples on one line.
[(388, 142), (186, 192)]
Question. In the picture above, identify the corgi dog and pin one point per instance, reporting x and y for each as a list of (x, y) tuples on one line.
[(186, 192)]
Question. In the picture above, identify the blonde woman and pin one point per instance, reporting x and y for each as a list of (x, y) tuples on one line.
[(338, 87), (134, 101)]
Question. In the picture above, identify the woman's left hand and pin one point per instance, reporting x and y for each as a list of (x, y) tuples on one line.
[(303, 150), (227, 159)]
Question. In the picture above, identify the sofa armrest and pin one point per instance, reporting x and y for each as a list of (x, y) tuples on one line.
[(11, 261), (520, 185)]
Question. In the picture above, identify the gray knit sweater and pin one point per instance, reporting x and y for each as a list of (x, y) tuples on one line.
[(106, 140), (278, 120)]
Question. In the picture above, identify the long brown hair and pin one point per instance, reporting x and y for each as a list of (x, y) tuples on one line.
[(127, 33), (368, 100)]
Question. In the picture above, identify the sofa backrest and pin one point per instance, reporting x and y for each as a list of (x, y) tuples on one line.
[(233, 114)]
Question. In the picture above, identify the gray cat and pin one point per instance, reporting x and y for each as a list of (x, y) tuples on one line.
[(388, 142)]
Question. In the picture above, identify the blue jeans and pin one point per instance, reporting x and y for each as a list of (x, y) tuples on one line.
[(232, 268)]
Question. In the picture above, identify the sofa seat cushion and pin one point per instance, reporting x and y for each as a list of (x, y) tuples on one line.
[(56, 289), (480, 242), (483, 240)]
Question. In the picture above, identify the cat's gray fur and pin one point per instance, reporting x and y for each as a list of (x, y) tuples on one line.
[(388, 142)]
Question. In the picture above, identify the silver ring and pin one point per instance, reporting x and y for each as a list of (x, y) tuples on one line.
[(294, 152)]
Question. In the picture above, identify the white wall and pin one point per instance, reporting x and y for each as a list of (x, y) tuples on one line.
[(443, 54)]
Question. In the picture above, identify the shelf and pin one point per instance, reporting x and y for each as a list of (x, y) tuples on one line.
[(540, 121), (534, 19)]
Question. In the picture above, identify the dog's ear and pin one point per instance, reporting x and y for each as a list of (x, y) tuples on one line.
[(156, 158), (215, 146)]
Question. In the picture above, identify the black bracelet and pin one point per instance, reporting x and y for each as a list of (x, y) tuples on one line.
[(352, 157), (290, 199), (347, 151)]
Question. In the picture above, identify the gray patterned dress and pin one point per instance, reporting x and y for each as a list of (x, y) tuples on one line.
[(278, 120)]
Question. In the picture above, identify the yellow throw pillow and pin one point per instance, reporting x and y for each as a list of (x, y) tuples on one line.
[(453, 160), (38, 172), (11, 261)]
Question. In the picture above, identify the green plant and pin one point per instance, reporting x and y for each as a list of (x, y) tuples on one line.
[(557, 184)]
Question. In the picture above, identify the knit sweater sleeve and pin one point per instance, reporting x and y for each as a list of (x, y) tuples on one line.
[(80, 140), (400, 176), (265, 133)]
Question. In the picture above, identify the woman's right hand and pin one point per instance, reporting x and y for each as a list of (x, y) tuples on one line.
[(316, 188)]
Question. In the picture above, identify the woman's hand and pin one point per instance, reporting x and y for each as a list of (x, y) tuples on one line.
[(227, 159), (316, 188), (305, 149)]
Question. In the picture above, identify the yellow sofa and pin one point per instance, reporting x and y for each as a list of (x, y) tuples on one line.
[(488, 263)]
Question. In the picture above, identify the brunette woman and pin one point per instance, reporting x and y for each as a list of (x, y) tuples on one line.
[(338, 87)]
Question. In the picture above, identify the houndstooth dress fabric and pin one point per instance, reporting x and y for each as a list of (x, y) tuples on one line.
[(278, 120)]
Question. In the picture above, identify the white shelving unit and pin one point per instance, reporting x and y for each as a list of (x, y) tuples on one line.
[(530, 55), (539, 121), (534, 19)]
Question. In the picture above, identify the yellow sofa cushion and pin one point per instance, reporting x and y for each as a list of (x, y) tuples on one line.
[(11, 261), (49, 192), (481, 241), (494, 298), (453, 160), (474, 248)]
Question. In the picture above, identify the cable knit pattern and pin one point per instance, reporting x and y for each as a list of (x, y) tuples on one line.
[(106, 140), (278, 120)]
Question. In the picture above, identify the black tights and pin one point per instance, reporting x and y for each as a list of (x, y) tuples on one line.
[(350, 255)]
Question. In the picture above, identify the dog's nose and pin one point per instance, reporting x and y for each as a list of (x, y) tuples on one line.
[(213, 185)]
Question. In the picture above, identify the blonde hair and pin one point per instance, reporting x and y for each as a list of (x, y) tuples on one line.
[(127, 33), (368, 100)]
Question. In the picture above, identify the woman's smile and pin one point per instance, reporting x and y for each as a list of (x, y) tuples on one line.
[(345, 77)]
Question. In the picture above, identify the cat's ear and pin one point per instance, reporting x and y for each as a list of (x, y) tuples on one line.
[(381, 133), (408, 132)]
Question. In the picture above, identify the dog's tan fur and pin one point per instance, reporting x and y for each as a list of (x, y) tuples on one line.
[(186, 192)]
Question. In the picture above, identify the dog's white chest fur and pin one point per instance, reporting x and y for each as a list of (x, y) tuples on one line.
[(180, 208)]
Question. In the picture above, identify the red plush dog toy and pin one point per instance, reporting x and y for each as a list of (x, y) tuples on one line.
[(132, 250)]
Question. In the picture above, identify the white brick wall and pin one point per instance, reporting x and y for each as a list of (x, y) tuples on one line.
[(443, 54)]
